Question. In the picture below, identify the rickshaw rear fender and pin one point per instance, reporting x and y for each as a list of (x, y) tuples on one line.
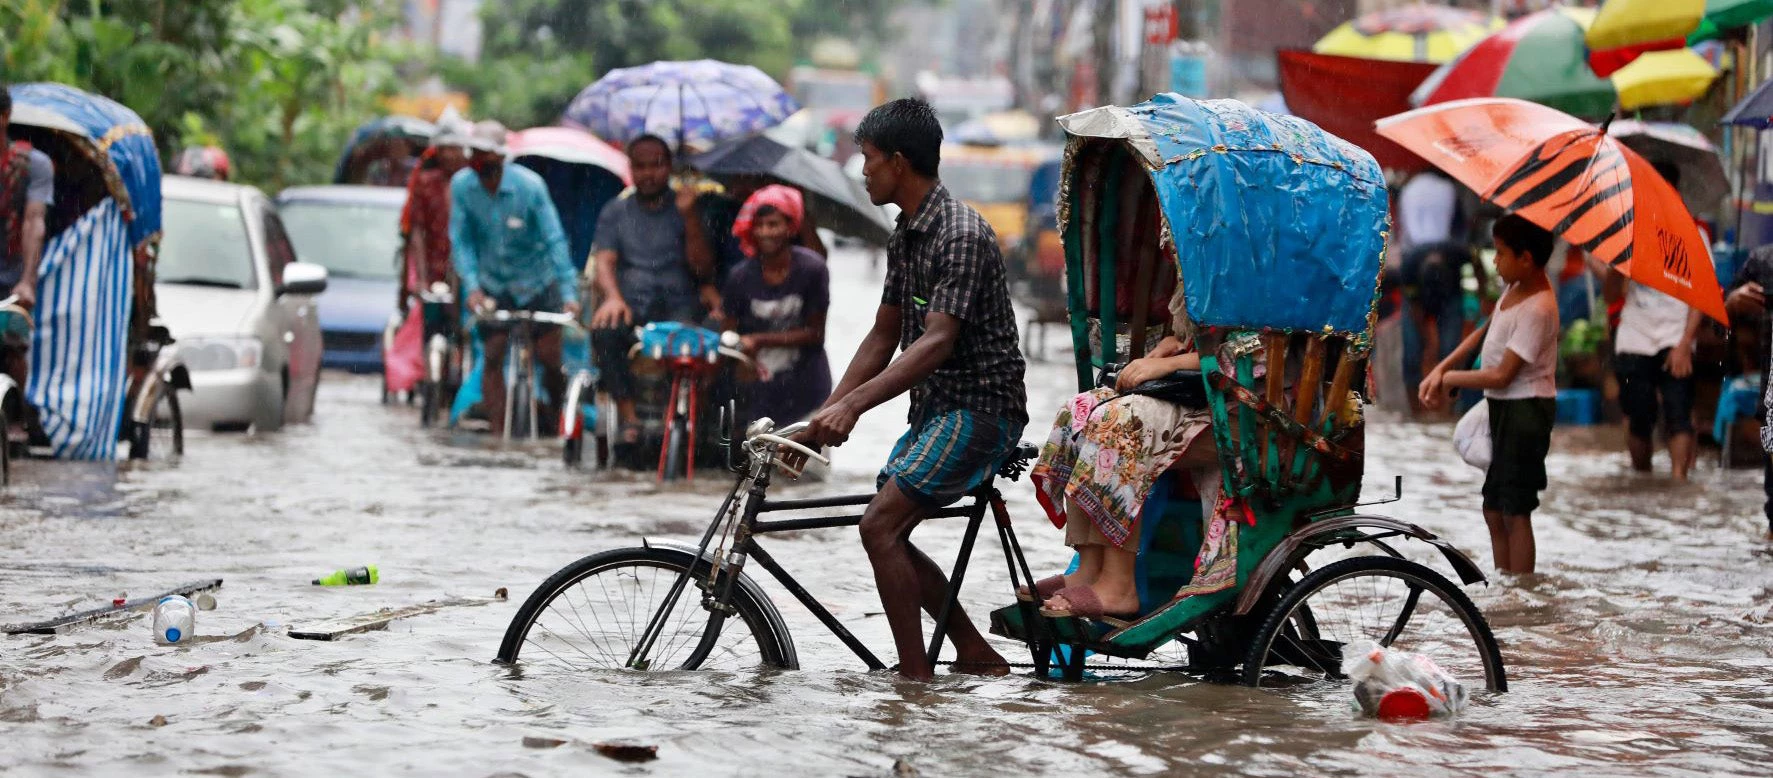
[(749, 586), (169, 370), (1320, 534)]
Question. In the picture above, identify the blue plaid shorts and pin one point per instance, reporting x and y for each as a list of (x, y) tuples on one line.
[(945, 456)]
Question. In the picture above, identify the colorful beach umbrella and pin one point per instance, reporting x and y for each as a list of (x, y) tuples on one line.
[(1625, 29), (1574, 179), (1543, 58), (1722, 15), (689, 104), (1411, 33)]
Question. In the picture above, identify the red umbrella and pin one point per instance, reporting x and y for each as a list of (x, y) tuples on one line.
[(571, 145), (1345, 95)]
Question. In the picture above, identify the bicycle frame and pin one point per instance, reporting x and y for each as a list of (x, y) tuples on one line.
[(726, 566)]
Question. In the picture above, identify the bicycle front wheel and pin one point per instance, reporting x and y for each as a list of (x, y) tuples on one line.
[(594, 612), (1394, 602)]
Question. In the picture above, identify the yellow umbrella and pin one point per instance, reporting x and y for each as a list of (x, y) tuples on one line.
[(1625, 29), (1663, 78), (1412, 33)]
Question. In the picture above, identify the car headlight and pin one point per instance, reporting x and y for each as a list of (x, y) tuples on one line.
[(223, 353)]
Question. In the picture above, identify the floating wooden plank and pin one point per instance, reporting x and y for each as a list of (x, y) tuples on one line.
[(379, 620), (56, 625)]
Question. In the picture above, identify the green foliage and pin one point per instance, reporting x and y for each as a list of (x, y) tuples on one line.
[(279, 84)]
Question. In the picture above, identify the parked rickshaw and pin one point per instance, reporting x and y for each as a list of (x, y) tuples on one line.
[(1275, 230), (102, 368), (1037, 267)]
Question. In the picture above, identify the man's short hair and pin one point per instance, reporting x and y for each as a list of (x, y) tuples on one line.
[(650, 138), (1524, 237), (907, 126), (5, 98)]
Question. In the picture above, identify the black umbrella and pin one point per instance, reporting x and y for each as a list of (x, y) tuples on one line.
[(835, 200)]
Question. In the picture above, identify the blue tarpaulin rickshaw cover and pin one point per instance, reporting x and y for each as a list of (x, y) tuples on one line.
[(132, 163), (1276, 223), (86, 277)]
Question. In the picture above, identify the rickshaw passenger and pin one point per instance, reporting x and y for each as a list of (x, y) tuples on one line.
[(27, 187), (650, 268), (777, 301), (1098, 467), (510, 253)]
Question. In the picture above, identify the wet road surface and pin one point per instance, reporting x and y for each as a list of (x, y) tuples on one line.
[(1644, 647)]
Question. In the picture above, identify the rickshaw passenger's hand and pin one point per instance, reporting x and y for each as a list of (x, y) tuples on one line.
[(687, 195), (26, 294), (831, 426), (1137, 372), (1680, 361), (613, 312)]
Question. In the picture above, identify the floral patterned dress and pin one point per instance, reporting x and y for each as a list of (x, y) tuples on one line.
[(1106, 451)]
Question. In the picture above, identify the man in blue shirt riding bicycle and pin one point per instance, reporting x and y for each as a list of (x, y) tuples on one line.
[(510, 253)]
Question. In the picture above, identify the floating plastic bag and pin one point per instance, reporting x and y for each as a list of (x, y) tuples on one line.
[(1471, 438), (1396, 685)]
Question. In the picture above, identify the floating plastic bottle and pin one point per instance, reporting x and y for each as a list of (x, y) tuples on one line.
[(356, 576), (175, 620)]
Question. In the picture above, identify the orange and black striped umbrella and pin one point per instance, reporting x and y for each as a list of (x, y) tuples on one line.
[(1572, 178)]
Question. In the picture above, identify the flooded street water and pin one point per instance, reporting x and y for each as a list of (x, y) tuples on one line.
[(1645, 646)]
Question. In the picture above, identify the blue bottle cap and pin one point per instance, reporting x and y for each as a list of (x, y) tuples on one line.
[(173, 634)]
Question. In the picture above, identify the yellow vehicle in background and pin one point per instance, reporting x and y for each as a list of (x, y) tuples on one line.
[(994, 180)]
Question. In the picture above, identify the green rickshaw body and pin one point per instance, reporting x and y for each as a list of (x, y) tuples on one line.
[(1276, 232)]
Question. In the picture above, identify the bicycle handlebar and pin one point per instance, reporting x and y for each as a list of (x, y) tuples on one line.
[(778, 440), (539, 317)]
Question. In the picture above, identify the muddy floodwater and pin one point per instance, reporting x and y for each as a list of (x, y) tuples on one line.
[(1644, 647)]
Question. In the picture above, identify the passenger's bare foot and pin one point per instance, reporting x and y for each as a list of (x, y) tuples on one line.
[(1119, 604)]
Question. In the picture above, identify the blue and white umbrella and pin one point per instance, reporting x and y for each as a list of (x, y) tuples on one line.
[(689, 104)]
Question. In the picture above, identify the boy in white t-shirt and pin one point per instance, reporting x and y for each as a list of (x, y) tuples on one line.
[(1519, 379)]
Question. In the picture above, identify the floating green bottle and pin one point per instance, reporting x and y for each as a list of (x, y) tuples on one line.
[(355, 576)]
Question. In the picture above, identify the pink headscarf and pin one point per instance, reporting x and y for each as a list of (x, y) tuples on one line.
[(785, 199)]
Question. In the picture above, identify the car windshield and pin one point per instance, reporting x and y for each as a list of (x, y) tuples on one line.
[(351, 240), (204, 244), (979, 182)]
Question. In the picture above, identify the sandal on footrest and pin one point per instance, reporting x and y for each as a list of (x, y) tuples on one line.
[(1043, 588), (1085, 605)]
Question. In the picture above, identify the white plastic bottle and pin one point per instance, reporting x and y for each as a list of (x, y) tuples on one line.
[(175, 620)]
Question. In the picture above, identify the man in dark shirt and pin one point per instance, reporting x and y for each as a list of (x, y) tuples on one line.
[(946, 304), (650, 266)]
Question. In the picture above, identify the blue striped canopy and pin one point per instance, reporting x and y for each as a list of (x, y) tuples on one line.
[(1276, 223), (113, 136)]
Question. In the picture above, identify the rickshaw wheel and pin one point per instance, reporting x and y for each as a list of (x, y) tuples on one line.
[(144, 443), (1376, 598), (429, 401), (590, 615)]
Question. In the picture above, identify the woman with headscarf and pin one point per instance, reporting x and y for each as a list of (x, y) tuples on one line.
[(777, 300)]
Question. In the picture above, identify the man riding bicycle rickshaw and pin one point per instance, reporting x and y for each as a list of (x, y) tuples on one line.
[(510, 255)]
